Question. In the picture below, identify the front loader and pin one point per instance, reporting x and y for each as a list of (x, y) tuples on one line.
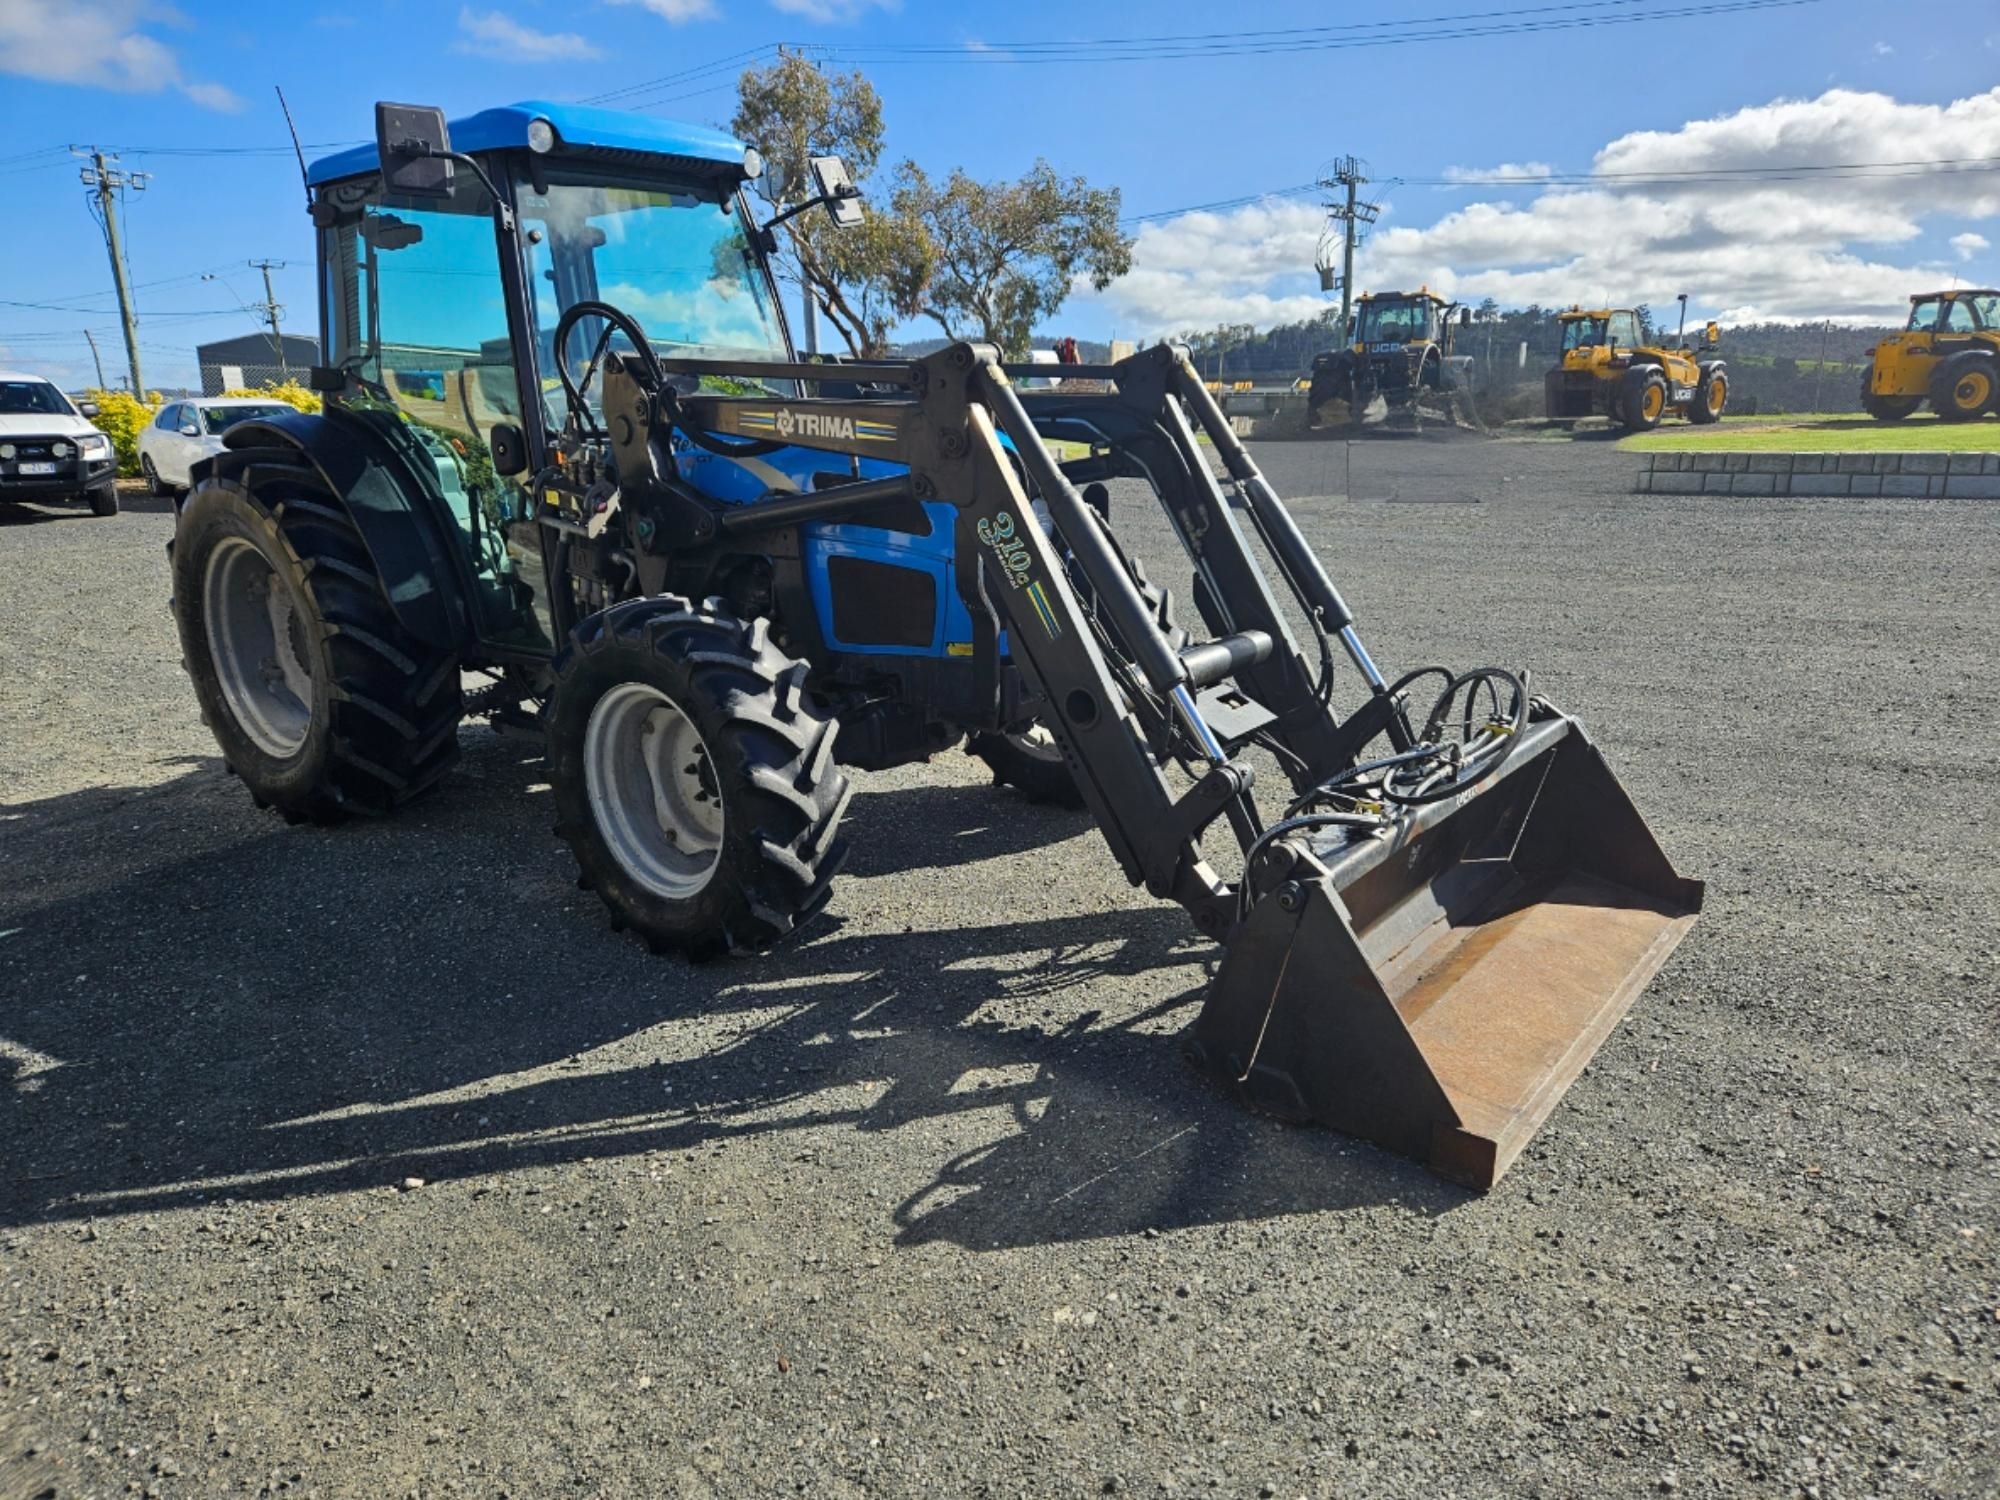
[(713, 575)]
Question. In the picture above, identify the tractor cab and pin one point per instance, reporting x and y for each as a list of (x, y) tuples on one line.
[(445, 277), (1388, 322)]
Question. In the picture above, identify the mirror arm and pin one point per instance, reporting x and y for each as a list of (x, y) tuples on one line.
[(823, 200), (500, 209)]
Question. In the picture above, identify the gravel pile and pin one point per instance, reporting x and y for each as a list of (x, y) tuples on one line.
[(369, 1162)]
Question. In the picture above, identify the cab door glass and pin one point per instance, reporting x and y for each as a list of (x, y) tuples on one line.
[(417, 310), (1624, 331), (1958, 317)]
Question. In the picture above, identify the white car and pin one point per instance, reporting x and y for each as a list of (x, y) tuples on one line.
[(186, 432), (49, 450)]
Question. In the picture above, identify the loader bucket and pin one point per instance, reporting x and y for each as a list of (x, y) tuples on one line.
[(1437, 992)]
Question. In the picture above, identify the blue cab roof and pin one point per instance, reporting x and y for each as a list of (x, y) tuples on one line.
[(578, 128)]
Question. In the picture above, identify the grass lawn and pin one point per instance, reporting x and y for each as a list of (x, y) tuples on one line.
[(1920, 433)]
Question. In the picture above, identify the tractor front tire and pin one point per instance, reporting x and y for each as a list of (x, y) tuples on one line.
[(1642, 398), (1886, 408), (1711, 398), (1031, 761), (694, 777), (321, 702), (1965, 386)]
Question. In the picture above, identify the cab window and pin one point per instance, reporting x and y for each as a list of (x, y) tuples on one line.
[(1958, 317), (1624, 331), (1923, 315), (417, 322)]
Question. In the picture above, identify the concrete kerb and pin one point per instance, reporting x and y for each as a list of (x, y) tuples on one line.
[(1936, 476)]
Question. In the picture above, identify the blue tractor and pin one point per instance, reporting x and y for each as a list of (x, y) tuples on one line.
[(572, 477)]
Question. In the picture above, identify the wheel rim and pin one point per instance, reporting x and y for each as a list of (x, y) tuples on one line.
[(1972, 392), (653, 790), (1655, 399), (1037, 742), (1716, 394), (257, 641)]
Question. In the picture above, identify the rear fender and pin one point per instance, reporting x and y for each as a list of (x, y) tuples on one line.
[(390, 507)]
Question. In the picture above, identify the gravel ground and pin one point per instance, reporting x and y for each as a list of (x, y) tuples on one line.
[(369, 1162)]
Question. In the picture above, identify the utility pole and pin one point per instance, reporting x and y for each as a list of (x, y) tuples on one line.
[(1347, 175), (1820, 373), (96, 359), (272, 312), (107, 181)]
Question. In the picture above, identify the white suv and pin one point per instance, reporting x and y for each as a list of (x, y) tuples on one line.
[(49, 450)]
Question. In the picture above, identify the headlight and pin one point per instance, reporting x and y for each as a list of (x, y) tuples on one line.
[(95, 447), (6, 450), (60, 450), (753, 163), (541, 137)]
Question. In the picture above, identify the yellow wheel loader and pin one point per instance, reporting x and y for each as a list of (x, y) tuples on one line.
[(1949, 353), (1610, 369)]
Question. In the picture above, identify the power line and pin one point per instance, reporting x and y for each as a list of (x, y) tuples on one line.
[(1256, 44)]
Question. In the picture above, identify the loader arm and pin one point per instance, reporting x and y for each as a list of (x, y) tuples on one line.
[(1431, 944)]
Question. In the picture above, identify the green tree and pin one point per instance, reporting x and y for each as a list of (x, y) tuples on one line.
[(792, 112), (1004, 254)]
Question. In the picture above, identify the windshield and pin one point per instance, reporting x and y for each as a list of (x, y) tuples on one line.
[(222, 418), (1396, 322), (680, 263), (32, 398), (1580, 333)]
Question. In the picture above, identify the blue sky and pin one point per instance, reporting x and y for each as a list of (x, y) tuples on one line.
[(1816, 83)]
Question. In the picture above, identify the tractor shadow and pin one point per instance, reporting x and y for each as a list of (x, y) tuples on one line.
[(198, 1002)]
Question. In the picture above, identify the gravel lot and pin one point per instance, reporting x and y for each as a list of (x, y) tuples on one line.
[(926, 1205)]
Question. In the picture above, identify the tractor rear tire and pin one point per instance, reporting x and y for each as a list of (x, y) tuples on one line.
[(1711, 398), (1886, 408), (322, 703), (1965, 387), (1642, 398), (1031, 761), (694, 778)]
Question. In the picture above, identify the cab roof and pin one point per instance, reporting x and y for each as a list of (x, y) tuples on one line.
[(579, 130), (1423, 292), (1957, 291), (1589, 312)]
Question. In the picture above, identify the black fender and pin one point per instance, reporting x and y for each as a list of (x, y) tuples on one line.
[(399, 516), (1710, 366)]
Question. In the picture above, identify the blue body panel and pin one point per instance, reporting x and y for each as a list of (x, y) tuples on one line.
[(743, 482), (578, 128)]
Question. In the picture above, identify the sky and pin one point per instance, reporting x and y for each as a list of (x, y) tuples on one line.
[(1532, 151)]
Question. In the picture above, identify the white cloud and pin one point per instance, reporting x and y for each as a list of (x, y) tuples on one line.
[(675, 12), (500, 37), (1809, 246), (1968, 244), (1507, 171), (98, 44), (1883, 49), (833, 12)]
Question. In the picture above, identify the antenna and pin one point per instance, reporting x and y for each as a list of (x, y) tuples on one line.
[(297, 149)]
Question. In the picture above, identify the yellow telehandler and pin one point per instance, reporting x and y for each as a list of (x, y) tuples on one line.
[(1949, 352), (1609, 368)]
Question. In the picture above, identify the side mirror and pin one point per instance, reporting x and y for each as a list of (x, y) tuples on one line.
[(413, 144), (87, 409), (509, 449), (190, 429), (1464, 316), (843, 198)]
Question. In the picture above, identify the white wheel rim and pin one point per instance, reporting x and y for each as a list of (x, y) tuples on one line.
[(653, 791), (1038, 742), (256, 640)]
